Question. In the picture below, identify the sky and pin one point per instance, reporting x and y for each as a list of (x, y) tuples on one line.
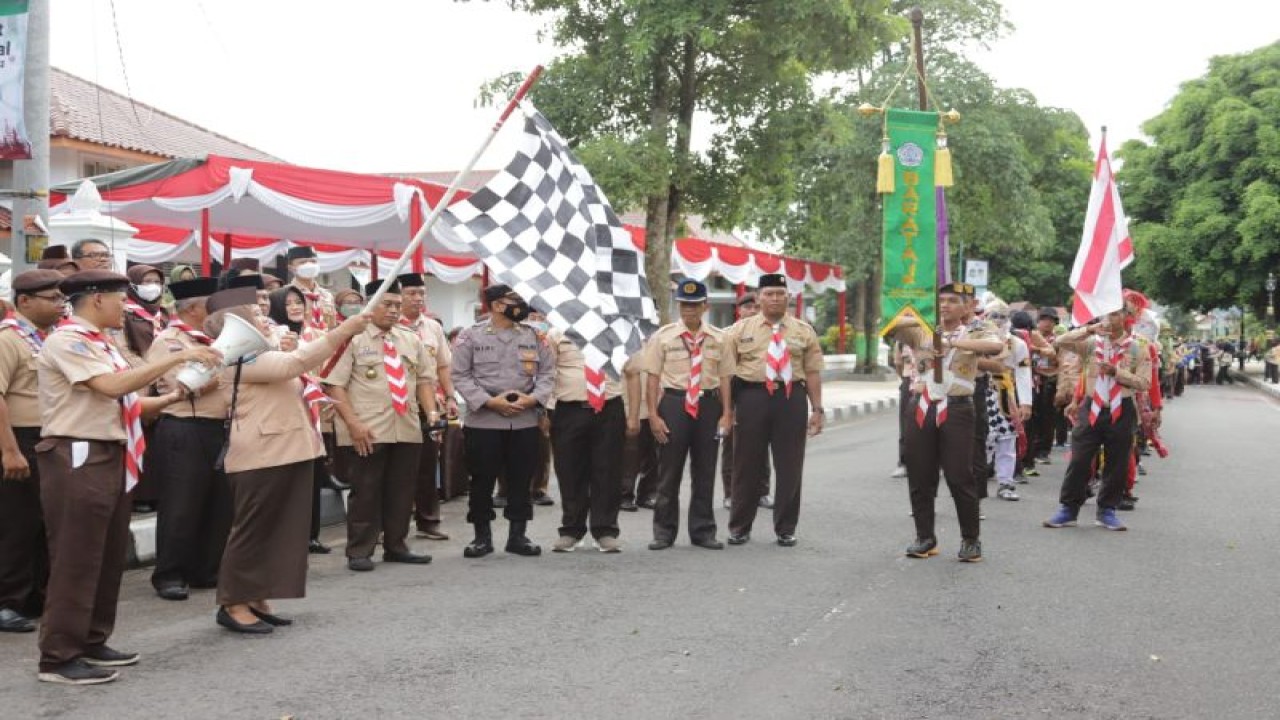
[(394, 88)]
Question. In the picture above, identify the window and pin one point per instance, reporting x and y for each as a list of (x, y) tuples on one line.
[(101, 167)]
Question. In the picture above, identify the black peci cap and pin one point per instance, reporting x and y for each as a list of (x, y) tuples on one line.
[(197, 288), (769, 280), (372, 287)]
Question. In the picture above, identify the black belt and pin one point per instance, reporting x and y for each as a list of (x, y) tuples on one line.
[(585, 403), (740, 383), (197, 420), (705, 393)]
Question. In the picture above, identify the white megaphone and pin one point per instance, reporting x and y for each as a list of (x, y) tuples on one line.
[(239, 341)]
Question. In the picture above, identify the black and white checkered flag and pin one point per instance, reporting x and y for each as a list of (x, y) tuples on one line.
[(543, 227)]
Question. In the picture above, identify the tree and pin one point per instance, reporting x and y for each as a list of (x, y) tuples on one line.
[(1204, 194)]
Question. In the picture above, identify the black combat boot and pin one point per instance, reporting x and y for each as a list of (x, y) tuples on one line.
[(519, 544), (482, 545)]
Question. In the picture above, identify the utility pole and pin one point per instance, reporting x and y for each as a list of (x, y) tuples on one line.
[(31, 177)]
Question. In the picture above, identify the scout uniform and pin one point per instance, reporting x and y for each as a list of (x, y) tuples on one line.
[(727, 445), (321, 313), (769, 362), (588, 424), (1106, 419), (381, 372), (685, 367), (24, 557), (194, 515), (942, 430), (639, 451), (488, 362), (426, 494), (89, 460)]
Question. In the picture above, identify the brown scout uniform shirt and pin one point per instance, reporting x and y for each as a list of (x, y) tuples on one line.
[(212, 403), (68, 407), (633, 365), (959, 374), (18, 379), (431, 333), (746, 348), (667, 356), (1133, 375), (571, 378), (362, 373)]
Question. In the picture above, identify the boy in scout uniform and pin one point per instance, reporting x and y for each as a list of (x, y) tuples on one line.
[(24, 559), (90, 457), (588, 425), (772, 369), (413, 317), (304, 268), (194, 515), (504, 371), (683, 362), (639, 451), (379, 386), (943, 427)]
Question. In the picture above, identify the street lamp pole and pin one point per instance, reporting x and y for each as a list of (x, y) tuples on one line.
[(1271, 301)]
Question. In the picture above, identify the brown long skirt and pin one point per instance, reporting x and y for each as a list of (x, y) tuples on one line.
[(266, 555)]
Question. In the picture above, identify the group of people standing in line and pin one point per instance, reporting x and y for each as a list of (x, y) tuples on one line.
[(359, 399)]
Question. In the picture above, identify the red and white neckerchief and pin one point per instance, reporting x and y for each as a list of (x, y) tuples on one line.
[(145, 314), (395, 375), (927, 395), (414, 325), (180, 326), (314, 398), (130, 405), (693, 393), (29, 333), (317, 312), (1106, 391), (595, 379), (777, 362)]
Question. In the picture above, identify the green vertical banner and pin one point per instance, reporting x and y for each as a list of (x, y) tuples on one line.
[(910, 222)]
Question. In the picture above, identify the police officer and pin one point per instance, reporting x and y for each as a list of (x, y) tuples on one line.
[(89, 458), (683, 362), (194, 515), (381, 383), (775, 363), (504, 371), (24, 559), (588, 424), (942, 430)]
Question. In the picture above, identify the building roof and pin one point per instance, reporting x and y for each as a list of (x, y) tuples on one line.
[(81, 110)]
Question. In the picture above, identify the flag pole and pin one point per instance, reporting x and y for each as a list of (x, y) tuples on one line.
[(917, 36), (439, 209)]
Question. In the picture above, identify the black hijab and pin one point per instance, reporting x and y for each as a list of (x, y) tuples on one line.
[(278, 312)]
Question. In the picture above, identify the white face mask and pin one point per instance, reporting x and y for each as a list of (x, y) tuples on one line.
[(308, 271), (149, 292)]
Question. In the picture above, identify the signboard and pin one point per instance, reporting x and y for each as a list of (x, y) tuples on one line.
[(14, 143), (975, 272)]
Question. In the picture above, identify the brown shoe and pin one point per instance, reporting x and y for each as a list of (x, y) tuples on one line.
[(433, 533)]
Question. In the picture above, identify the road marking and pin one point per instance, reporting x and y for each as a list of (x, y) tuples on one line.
[(831, 614)]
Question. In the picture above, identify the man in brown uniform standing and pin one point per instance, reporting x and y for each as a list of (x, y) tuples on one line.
[(942, 430), (587, 430), (774, 365), (380, 384), (24, 559), (413, 308), (748, 306), (90, 458), (683, 362)]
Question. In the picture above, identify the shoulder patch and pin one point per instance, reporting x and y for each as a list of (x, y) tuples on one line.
[(80, 347)]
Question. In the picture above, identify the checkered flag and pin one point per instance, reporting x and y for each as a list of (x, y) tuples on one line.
[(543, 227)]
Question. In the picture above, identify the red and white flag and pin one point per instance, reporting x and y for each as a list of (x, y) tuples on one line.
[(1105, 249)]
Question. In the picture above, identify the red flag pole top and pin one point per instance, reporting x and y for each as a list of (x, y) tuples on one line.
[(430, 222)]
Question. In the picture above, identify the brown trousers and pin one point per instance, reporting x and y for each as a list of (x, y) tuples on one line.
[(453, 463), (24, 558), (86, 513), (381, 499), (768, 422), (426, 496), (951, 448), (726, 468), (266, 555)]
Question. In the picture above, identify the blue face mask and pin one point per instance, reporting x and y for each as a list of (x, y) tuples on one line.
[(541, 326)]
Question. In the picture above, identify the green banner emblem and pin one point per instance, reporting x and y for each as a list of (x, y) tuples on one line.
[(910, 221)]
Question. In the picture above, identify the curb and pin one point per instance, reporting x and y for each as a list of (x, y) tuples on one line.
[(1256, 384), (844, 413)]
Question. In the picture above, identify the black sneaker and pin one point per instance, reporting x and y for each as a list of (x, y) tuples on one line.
[(970, 551), (103, 656), (923, 548), (77, 673)]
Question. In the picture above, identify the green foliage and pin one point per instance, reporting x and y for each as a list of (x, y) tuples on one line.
[(1204, 195), (830, 339)]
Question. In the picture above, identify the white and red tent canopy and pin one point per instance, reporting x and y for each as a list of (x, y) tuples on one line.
[(262, 208)]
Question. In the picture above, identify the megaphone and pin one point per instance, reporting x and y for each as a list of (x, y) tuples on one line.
[(239, 341)]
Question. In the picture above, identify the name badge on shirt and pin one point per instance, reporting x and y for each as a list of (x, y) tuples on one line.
[(529, 360)]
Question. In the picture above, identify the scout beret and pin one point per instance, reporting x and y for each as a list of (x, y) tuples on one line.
[(957, 288), (496, 292), (138, 273), (36, 280), (299, 252), (690, 291), (55, 252), (240, 264), (252, 280), (372, 287), (231, 297), (197, 288), (411, 280), (769, 280), (93, 281)]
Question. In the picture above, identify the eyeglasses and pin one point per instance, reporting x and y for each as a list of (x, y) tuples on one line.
[(52, 298), (95, 256)]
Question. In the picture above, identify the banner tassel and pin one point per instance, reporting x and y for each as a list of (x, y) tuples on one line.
[(942, 164), (885, 171)]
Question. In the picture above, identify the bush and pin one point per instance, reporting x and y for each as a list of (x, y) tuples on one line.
[(831, 338)]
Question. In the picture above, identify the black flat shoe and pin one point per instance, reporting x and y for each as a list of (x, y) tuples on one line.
[(173, 591), (13, 622), (628, 506), (409, 558), (709, 543), (659, 544), (737, 539), (268, 618), (224, 619), (787, 540), (477, 549), (315, 547)]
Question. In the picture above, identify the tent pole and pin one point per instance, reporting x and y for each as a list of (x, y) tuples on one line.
[(226, 251), (373, 265), (840, 317), (206, 262), (415, 224)]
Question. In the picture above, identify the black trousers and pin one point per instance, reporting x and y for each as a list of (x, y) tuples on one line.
[(767, 423), (694, 439), (726, 468), (950, 448), (510, 453), (24, 553), (587, 447), (640, 466), (1114, 438), (906, 411), (982, 470), (194, 516), (1269, 372), (1043, 417), (426, 493), (381, 499)]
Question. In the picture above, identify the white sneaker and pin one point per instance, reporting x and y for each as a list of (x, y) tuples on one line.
[(609, 545), (565, 544), (899, 472), (1007, 492)]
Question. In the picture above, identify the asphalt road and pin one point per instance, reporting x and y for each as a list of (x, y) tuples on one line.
[(1175, 619)]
